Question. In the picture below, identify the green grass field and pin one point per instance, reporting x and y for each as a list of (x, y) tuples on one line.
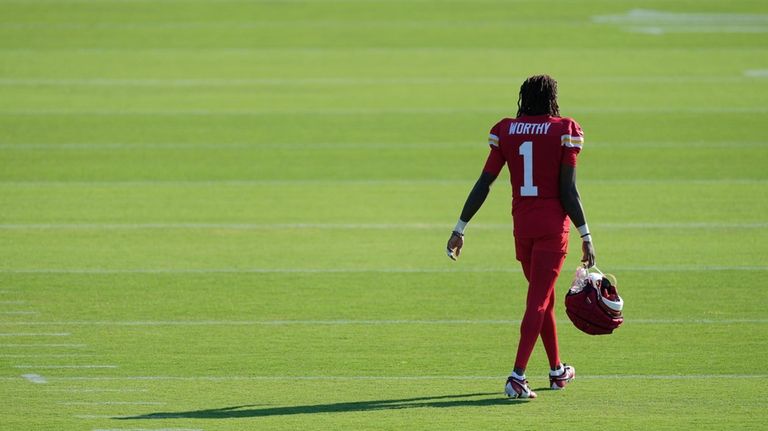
[(231, 215)]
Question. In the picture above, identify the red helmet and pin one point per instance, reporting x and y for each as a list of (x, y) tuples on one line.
[(593, 304)]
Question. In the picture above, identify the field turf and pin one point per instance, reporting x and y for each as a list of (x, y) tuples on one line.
[(231, 215)]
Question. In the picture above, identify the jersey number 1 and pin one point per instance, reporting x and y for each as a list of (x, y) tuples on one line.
[(527, 189)]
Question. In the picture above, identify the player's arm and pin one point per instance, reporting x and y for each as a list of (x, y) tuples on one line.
[(571, 201), (493, 165), (473, 203)]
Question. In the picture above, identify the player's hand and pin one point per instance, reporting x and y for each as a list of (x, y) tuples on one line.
[(454, 245), (589, 253)]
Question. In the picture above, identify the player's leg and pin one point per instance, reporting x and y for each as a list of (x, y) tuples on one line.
[(544, 269), (516, 385), (552, 254), (541, 282), (549, 333), (560, 374), (523, 251)]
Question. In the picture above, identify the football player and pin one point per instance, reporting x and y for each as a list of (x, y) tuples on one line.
[(540, 148)]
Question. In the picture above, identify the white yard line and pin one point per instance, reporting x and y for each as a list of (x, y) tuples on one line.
[(52, 367), (358, 182), (81, 390), (236, 226), (684, 225), (349, 81), (322, 111), (260, 146), (358, 146), (46, 355), (34, 334), (756, 73), (692, 268), (240, 2), (404, 378), (372, 322), (45, 345), (102, 271), (656, 22), (111, 403), (234, 52), (129, 429), (351, 226), (254, 82), (660, 30), (256, 182), (657, 17), (35, 378)]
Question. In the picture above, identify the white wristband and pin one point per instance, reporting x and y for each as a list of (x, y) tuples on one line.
[(587, 238), (460, 226), (583, 230)]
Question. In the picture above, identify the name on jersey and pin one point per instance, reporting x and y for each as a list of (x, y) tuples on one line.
[(529, 128)]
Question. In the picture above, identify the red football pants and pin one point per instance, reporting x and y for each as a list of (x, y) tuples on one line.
[(541, 258)]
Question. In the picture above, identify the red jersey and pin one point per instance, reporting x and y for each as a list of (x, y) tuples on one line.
[(533, 148)]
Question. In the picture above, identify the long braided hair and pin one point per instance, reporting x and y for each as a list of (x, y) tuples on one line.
[(538, 96)]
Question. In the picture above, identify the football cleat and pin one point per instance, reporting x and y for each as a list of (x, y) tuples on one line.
[(557, 382), (517, 388)]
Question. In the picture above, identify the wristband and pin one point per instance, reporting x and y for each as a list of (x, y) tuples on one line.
[(587, 238), (460, 226), (583, 230)]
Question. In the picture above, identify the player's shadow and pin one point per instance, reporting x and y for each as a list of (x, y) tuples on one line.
[(255, 410)]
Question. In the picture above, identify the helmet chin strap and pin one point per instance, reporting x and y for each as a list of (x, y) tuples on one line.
[(610, 277), (593, 267)]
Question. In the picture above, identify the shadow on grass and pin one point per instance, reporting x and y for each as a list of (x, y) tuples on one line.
[(254, 411)]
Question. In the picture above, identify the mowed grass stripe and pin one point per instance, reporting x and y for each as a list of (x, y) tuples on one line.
[(370, 64), (402, 99), (349, 251), (622, 163), (400, 128), (653, 203), (385, 296)]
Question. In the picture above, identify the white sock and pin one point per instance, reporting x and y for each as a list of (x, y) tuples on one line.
[(517, 376), (559, 371)]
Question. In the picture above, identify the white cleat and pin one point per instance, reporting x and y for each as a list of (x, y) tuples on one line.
[(558, 381), (517, 388)]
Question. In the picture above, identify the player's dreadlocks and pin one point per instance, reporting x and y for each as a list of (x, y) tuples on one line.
[(538, 96)]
